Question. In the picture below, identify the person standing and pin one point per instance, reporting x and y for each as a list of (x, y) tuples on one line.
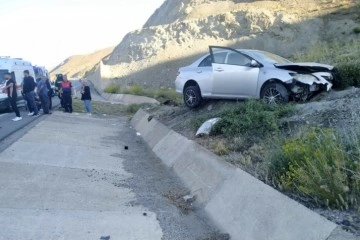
[(12, 95), (50, 92), (42, 92), (86, 96), (28, 90), (66, 94)]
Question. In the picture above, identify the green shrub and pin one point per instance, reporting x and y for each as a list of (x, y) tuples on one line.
[(252, 118), (167, 94), (112, 88), (356, 30), (134, 90), (319, 165), (344, 56), (133, 108)]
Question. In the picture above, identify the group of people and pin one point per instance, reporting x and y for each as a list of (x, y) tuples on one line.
[(66, 93), (44, 93)]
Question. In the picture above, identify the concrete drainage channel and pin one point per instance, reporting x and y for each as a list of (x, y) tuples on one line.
[(235, 201)]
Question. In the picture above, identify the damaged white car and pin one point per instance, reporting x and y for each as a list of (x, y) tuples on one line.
[(228, 73)]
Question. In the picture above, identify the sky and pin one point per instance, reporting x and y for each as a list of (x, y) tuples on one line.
[(46, 32)]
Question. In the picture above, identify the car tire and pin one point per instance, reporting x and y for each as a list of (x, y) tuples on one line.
[(274, 93), (192, 96)]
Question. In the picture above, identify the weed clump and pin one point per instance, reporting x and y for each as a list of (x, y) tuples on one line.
[(112, 88), (356, 30), (253, 118), (319, 165)]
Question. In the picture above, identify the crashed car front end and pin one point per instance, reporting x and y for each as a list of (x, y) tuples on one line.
[(308, 78)]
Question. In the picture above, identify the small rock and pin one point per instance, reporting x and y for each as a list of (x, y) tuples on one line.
[(105, 238), (126, 147), (150, 118), (138, 134), (144, 214), (346, 223), (210, 107)]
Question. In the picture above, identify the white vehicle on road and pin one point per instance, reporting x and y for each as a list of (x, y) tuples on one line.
[(16, 67), (40, 71), (227, 73)]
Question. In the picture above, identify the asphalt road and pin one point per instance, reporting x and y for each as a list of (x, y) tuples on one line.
[(8, 127)]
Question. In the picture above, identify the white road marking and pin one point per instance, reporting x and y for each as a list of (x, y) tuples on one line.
[(3, 114)]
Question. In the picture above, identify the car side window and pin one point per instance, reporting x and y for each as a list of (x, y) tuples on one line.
[(235, 58), (207, 62), (220, 57)]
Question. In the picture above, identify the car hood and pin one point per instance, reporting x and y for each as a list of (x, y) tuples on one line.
[(305, 67)]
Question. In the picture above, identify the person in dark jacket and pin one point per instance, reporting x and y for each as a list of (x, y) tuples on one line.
[(50, 93), (28, 91), (86, 96), (42, 92), (12, 95)]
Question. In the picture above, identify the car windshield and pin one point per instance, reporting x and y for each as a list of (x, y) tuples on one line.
[(269, 57), (2, 73)]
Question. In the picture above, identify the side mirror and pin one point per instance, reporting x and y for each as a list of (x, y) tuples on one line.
[(254, 63)]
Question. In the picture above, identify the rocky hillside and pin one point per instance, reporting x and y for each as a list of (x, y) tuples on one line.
[(78, 65), (179, 31)]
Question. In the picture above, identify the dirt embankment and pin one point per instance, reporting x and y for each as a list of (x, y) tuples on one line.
[(79, 65)]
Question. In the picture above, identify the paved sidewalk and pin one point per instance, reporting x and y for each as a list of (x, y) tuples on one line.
[(58, 182)]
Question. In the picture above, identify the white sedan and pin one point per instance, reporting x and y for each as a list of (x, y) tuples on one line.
[(227, 73)]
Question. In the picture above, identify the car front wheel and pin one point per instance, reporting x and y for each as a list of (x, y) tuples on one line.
[(275, 93), (192, 96)]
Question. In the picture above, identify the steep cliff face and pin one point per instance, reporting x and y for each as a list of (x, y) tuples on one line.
[(179, 31)]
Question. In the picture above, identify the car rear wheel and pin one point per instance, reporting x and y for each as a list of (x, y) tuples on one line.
[(275, 93), (192, 96)]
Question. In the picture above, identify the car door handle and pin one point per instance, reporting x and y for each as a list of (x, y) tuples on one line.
[(219, 70)]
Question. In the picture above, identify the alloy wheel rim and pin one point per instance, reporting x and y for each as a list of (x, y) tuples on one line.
[(190, 97), (273, 96)]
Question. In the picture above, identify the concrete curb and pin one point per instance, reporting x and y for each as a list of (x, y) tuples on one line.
[(238, 203), (124, 99), (128, 99)]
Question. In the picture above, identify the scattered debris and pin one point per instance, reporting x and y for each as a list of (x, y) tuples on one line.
[(126, 147), (137, 133), (206, 127), (170, 103), (181, 199), (105, 238), (189, 198), (144, 214), (150, 118)]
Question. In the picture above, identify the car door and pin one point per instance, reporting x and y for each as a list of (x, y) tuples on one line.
[(234, 76), (204, 72)]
